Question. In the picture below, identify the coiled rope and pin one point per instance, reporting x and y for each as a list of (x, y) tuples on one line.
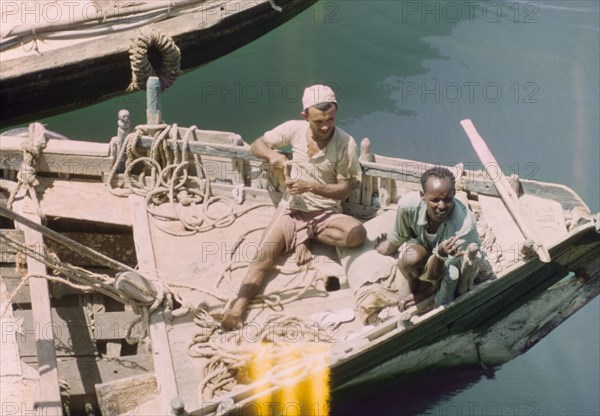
[(141, 68), (229, 354), (163, 177)]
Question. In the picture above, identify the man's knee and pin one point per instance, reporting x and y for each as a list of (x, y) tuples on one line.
[(356, 236), (412, 256)]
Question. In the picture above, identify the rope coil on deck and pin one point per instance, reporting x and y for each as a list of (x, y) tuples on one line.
[(141, 67), (228, 357)]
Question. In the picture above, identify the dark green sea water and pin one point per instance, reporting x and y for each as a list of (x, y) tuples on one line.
[(406, 73)]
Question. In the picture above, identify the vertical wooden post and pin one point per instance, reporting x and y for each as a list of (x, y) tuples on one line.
[(153, 113), (240, 166), (366, 192), (385, 192), (124, 128)]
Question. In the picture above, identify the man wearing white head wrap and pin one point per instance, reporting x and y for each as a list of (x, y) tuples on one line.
[(322, 172)]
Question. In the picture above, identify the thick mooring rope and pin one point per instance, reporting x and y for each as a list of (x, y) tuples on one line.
[(142, 69)]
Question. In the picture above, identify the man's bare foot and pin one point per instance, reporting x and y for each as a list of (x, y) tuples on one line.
[(227, 320), (303, 254), (406, 303)]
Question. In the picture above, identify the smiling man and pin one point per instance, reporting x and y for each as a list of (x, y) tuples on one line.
[(321, 174), (431, 232)]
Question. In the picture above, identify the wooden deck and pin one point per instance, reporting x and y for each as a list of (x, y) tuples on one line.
[(198, 261)]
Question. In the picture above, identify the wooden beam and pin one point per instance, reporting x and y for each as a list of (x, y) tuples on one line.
[(366, 187), (49, 399), (210, 149), (62, 157), (509, 198), (161, 350)]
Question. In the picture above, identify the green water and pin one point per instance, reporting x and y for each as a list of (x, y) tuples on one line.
[(406, 73)]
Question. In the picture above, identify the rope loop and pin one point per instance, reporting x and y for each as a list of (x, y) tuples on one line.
[(141, 67)]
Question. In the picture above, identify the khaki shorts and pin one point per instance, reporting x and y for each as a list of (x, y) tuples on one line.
[(300, 226)]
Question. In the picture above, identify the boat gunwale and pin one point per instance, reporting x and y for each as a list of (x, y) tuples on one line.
[(476, 182)]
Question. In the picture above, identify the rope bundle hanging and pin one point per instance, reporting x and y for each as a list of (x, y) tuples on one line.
[(26, 176), (141, 67)]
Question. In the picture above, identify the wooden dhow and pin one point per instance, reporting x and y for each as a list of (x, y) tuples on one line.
[(113, 255)]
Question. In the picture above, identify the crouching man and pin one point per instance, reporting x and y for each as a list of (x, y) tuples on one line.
[(431, 232)]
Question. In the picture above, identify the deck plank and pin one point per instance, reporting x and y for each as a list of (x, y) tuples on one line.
[(161, 350), (509, 238), (18, 381), (49, 398), (94, 202)]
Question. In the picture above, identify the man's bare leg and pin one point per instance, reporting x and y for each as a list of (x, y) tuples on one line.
[(343, 232), (411, 262), (272, 245)]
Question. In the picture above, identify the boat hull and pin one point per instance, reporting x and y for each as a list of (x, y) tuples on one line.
[(45, 84)]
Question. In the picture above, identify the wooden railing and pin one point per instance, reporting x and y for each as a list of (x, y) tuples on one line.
[(231, 161)]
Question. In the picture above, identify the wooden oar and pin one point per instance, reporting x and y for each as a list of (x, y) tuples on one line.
[(508, 196)]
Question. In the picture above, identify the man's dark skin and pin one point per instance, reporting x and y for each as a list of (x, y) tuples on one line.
[(438, 195)]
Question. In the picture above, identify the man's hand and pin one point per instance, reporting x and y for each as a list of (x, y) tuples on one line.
[(298, 187), (379, 241), (385, 246), (450, 247), (278, 160)]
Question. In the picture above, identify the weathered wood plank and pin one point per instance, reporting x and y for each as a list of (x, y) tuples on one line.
[(18, 381), (61, 157), (115, 397), (83, 373), (119, 247), (509, 197), (161, 350), (210, 149), (114, 325), (58, 147), (70, 328), (13, 278), (73, 333), (509, 238), (88, 201), (40, 300), (385, 192)]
